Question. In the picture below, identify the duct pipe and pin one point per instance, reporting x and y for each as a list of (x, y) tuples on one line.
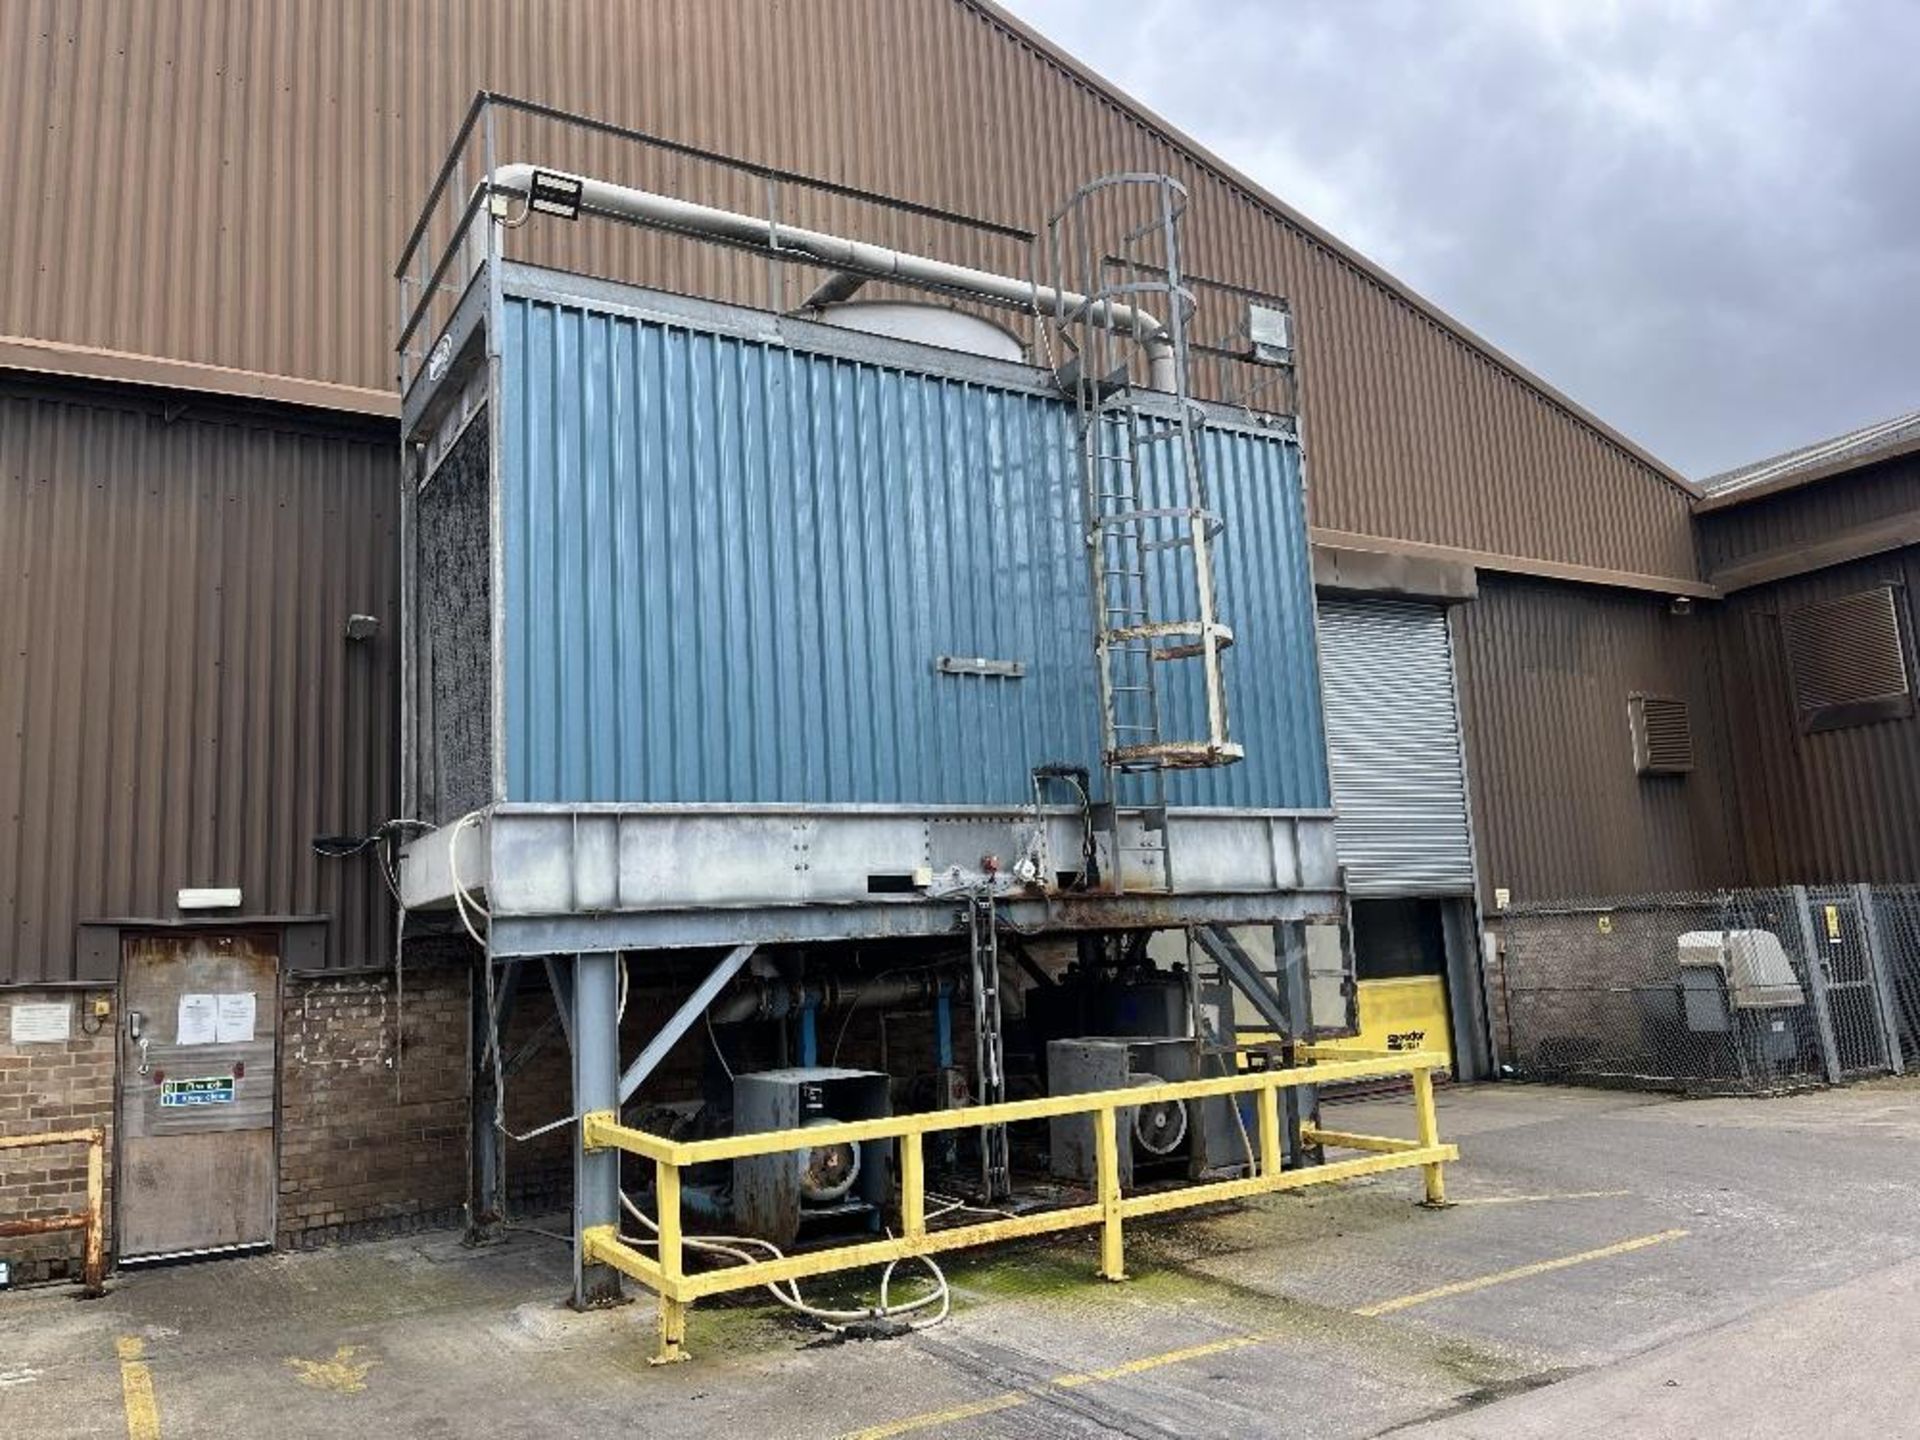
[(775, 1000), (836, 252)]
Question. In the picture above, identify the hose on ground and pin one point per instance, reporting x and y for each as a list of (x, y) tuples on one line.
[(734, 1247)]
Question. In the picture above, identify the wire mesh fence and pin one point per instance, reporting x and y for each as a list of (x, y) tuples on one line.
[(1737, 991), (1896, 916)]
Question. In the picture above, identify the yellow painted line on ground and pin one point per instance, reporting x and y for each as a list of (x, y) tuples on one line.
[(136, 1389), (1519, 1272), (1154, 1362), (1013, 1398), (1540, 1199), (940, 1417)]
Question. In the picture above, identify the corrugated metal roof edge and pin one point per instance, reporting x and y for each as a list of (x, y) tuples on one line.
[(1025, 34), (86, 362), (1515, 564), (1737, 494)]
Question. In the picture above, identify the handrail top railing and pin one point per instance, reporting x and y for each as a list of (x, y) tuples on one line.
[(94, 1135), (600, 1130), (493, 99)]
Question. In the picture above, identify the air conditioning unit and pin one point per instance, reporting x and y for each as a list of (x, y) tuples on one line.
[(820, 1192), (1753, 963), (1158, 1140), (1741, 985)]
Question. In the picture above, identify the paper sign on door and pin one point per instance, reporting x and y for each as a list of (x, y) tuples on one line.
[(233, 1019), (198, 1023)]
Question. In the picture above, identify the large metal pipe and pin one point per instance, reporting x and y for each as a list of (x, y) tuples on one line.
[(837, 252), (776, 1000)]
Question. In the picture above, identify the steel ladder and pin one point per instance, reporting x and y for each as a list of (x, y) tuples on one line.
[(1141, 460)]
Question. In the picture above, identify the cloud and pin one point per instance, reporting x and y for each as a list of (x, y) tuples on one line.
[(1701, 218)]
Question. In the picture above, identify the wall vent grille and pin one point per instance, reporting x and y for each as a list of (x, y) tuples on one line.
[(1662, 735), (1847, 659)]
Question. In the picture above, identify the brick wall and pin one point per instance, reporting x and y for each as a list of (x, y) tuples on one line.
[(43, 1087), (373, 1103)]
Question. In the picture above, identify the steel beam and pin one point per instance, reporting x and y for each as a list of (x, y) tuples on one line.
[(1244, 976), (694, 928), (596, 1086), (560, 981), (683, 1020), (551, 860)]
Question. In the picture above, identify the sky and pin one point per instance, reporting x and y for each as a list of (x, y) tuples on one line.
[(1698, 218)]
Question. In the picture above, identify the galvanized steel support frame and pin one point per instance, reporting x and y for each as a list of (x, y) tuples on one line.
[(683, 1020), (596, 1087), (487, 1174), (561, 879)]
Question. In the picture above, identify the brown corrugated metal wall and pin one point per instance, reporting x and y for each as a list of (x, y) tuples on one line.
[(1545, 672), (230, 182), (1841, 804), (179, 704), (1791, 520)]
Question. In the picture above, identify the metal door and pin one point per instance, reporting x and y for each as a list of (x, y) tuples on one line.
[(1847, 996), (198, 1067), (1393, 744)]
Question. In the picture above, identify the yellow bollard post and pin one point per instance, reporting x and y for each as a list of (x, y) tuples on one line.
[(1272, 1156), (1429, 1137), (1106, 1136), (93, 1271), (913, 1185), (673, 1312)]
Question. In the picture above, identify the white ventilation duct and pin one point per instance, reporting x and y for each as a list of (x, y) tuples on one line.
[(836, 252)]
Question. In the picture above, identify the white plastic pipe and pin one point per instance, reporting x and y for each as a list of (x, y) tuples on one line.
[(838, 252)]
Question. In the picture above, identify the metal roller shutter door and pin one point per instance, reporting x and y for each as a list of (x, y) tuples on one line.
[(1393, 742)]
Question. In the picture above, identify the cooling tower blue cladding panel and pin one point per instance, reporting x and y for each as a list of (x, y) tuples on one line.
[(730, 568)]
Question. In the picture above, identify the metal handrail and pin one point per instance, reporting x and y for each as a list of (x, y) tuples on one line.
[(485, 101), (481, 99), (667, 1277), (90, 1220)]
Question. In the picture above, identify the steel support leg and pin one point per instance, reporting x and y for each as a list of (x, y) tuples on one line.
[(1302, 1102), (487, 1181), (596, 1086)]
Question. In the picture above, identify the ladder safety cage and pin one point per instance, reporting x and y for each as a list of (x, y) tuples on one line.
[(1123, 357)]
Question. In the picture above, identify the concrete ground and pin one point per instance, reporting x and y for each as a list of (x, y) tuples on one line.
[(1617, 1264)]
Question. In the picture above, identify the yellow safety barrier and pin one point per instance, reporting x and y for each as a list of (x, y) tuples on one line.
[(666, 1276), (90, 1221)]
